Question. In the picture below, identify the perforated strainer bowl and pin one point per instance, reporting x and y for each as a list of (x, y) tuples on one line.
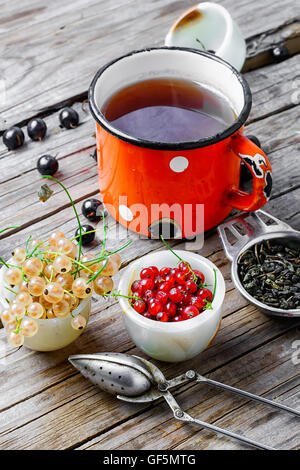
[(173, 342)]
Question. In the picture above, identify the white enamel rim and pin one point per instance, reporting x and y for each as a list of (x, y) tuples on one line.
[(197, 262), (171, 62)]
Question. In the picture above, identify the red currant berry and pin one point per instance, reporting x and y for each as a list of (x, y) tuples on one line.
[(155, 307), (205, 294), (180, 278), (164, 271), (170, 279), (139, 306), (177, 318), (158, 280), (191, 286), (149, 294), (154, 270), (147, 273), (175, 295), (197, 302), (179, 310), (162, 316), (146, 284), (174, 271), (147, 315), (149, 301), (164, 286), (170, 308), (186, 298), (200, 277), (190, 311), (135, 286), (184, 267), (162, 297)]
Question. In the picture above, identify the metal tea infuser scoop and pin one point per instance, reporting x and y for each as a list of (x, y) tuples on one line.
[(136, 380)]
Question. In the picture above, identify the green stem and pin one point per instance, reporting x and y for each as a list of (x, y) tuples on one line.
[(74, 208), (99, 272), (35, 248), (177, 256), (27, 242), (131, 297), (3, 262), (215, 283), (8, 228), (10, 290)]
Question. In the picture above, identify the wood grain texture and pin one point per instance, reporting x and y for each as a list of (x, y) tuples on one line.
[(49, 52), (53, 55)]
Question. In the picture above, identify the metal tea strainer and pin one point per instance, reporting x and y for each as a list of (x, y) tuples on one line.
[(246, 230), (136, 380)]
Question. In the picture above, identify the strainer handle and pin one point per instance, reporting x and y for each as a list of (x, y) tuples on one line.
[(253, 224), (185, 417)]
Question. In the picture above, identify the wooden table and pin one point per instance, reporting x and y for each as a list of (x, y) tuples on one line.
[(49, 54)]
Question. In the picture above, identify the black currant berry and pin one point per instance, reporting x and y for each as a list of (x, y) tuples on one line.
[(254, 139), (13, 138), (86, 238), (47, 165), (69, 118), (36, 129), (280, 53), (91, 209)]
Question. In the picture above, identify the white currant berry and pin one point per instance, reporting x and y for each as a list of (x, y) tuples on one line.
[(78, 322), (62, 264), (36, 286), (29, 327), (17, 310), (13, 276), (116, 258), (103, 285), (81, 288), (24, 298), (32, 267), (53, 292), (110, 268), (19, 255), (35, 310), (49, 271), (23, 286), (65, 246), (55, 237), (61, 309), (50, 314), (65, 279), (7, 316), (15, 339)]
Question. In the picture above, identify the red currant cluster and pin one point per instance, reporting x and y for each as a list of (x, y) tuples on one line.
[(170, 294)]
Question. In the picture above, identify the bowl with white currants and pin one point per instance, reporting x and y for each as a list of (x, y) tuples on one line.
[(46, 289)]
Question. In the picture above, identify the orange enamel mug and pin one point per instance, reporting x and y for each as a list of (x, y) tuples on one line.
[(190, 186)]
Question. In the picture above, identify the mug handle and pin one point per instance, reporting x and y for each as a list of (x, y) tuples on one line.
[(259, 165)]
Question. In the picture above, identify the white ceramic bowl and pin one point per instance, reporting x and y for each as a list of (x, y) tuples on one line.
[(172, 342), (209, 26), (53, 333)]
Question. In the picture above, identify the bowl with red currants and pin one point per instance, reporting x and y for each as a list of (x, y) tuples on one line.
[(172, 301)]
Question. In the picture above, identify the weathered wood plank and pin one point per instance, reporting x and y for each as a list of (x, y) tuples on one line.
[(238, 335), (88, 408), (21, 180), (261, 371), (58, 42)]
